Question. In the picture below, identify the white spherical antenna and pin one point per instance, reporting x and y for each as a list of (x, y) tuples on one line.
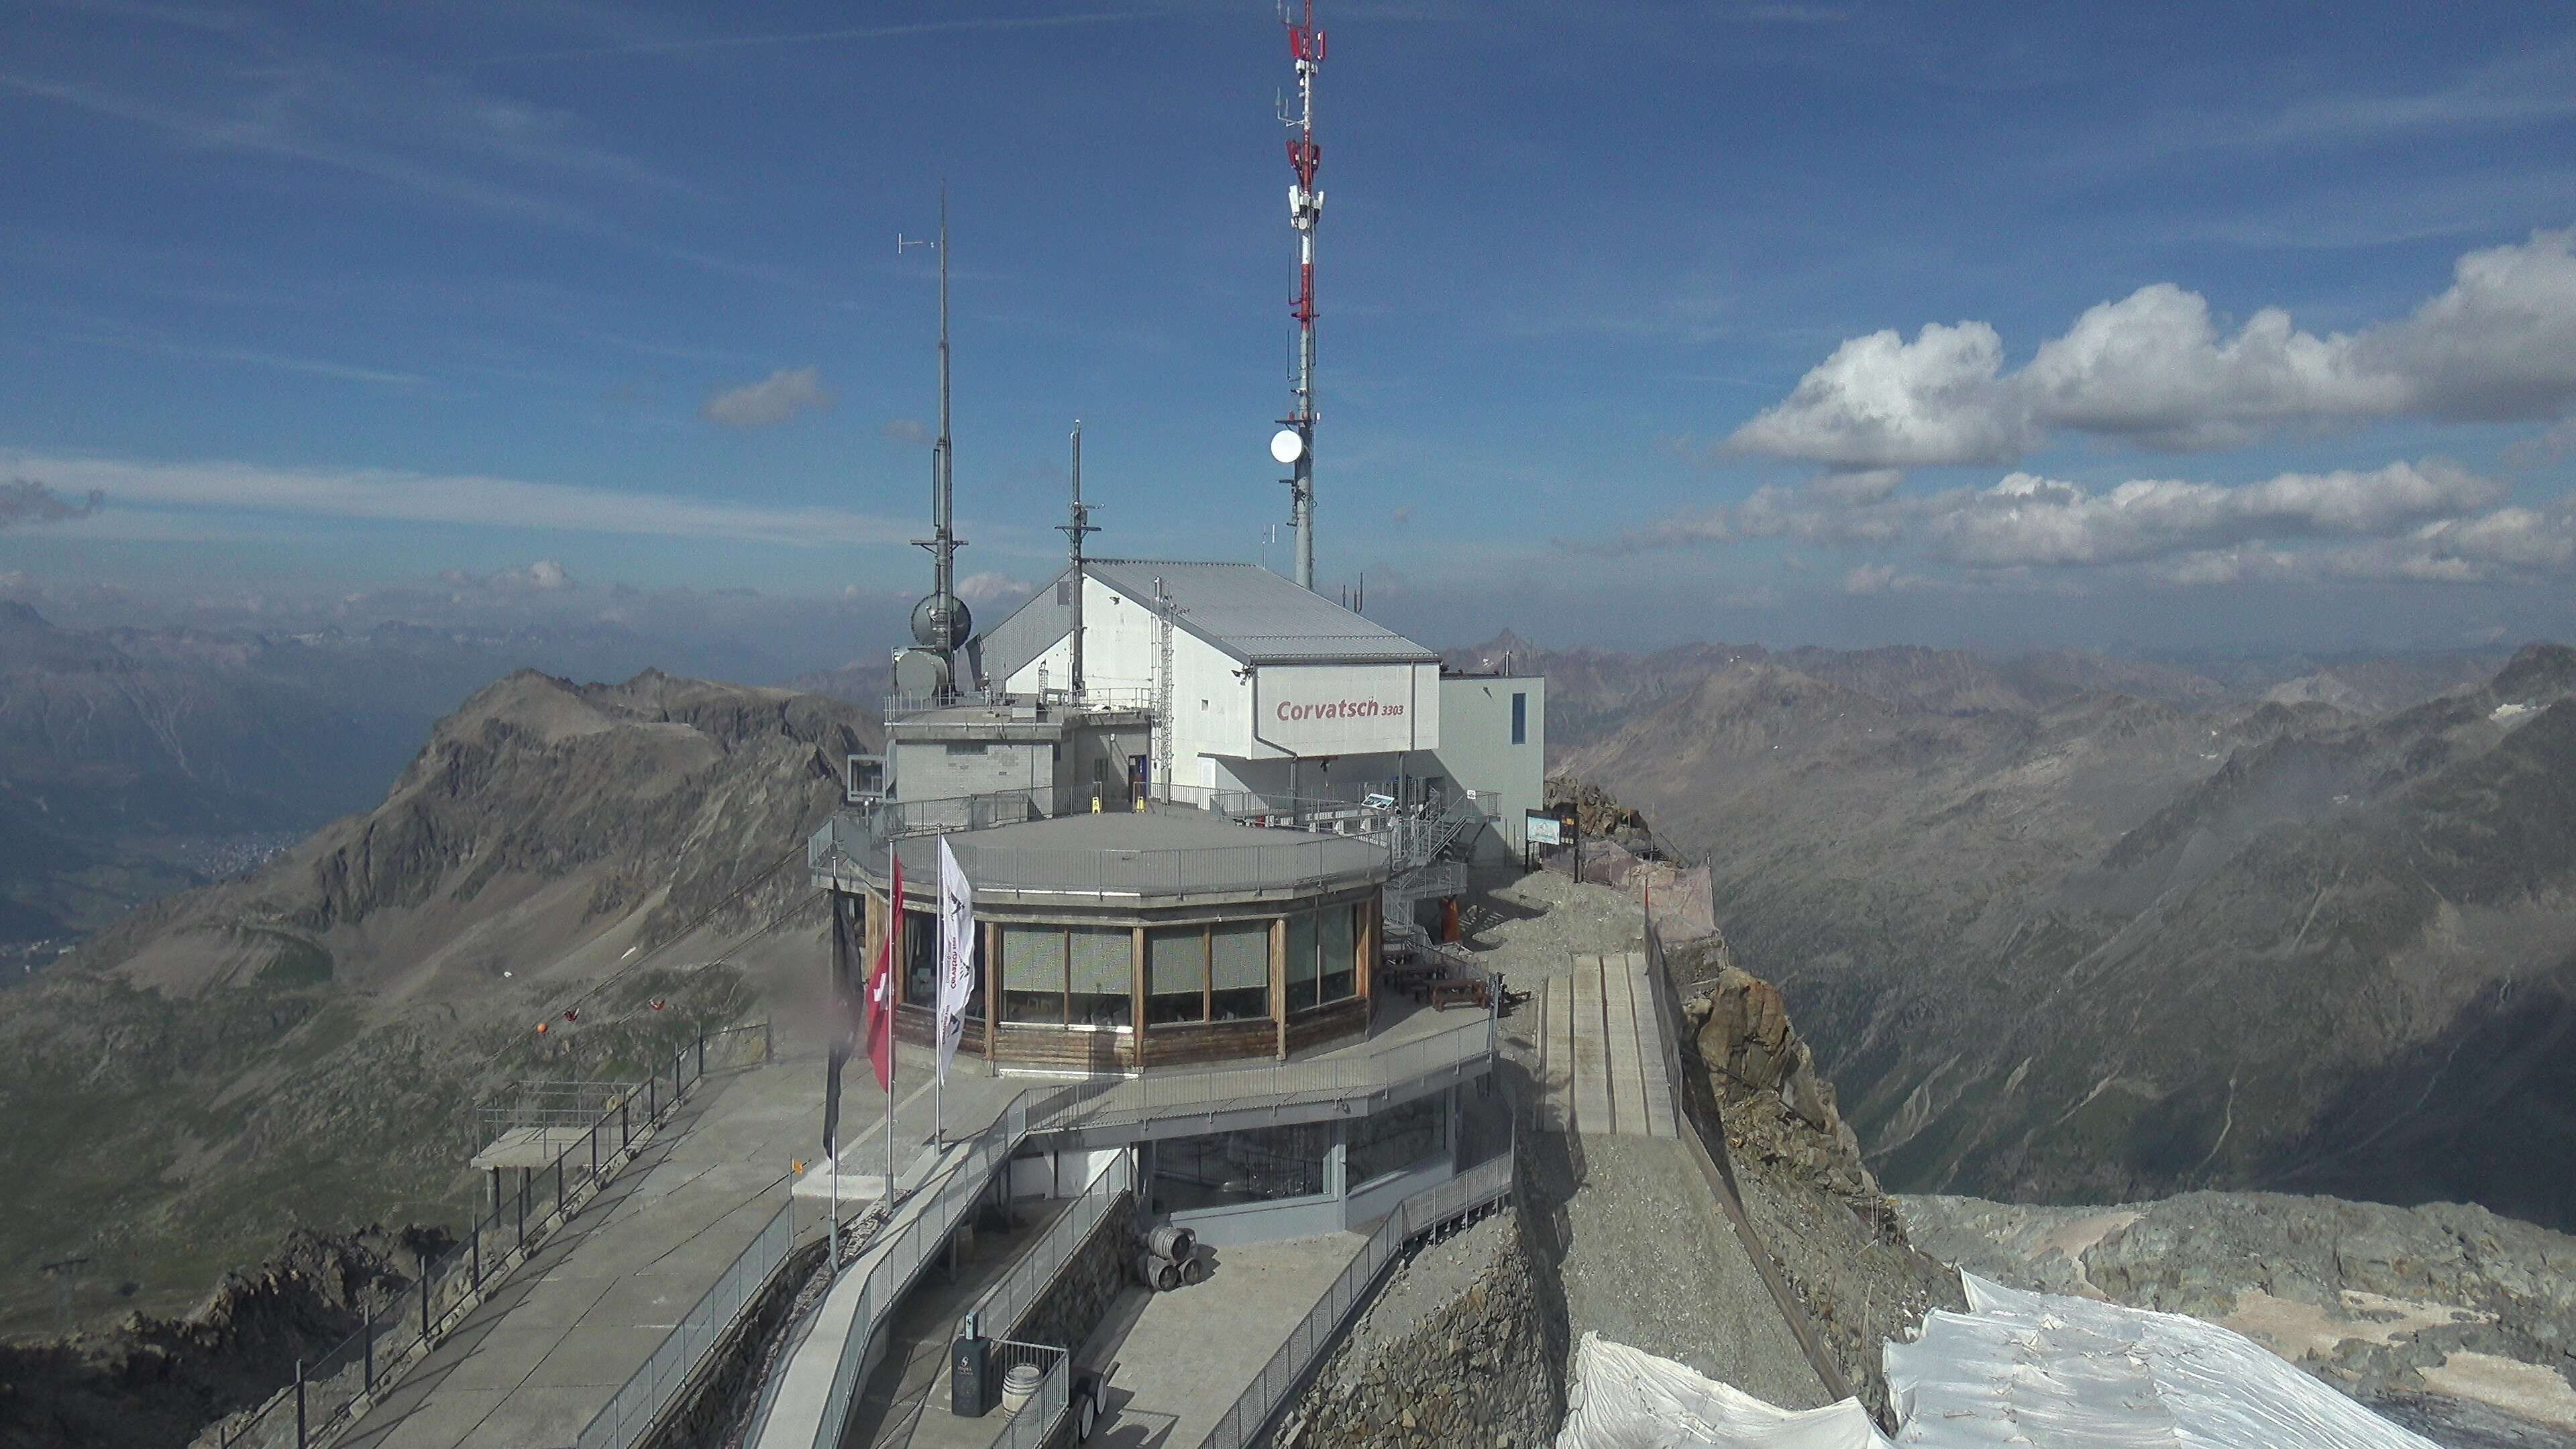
[(1287, 446)]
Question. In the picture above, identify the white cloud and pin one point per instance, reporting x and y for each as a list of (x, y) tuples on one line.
[(1882, 402), (771, 401), (545, 576), (400, 497), (983, 588), (2156, 368), (2428, 521)]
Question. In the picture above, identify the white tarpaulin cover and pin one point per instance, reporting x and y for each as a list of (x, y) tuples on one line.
[(1626, 1398), (2040, 1369)]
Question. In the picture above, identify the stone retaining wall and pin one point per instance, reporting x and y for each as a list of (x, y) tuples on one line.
[(714, 1404), (1454, 1351), (1073, 1305)]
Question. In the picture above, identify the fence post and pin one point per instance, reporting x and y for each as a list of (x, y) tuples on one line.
[(652, 1102), (424, 1295), (702, 1049), (594, 1149), (299, 1404), (559, 1188), (625, 1131), (523, 1210), (767, 1048), (367, 1348), (478, 1258)]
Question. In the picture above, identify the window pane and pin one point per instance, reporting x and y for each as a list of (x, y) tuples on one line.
[(1301, 961), (1176, 974), (1103, 975), (1261, 1165), (1239, 967), (1520, 719), (1033, 974), (1341, 952), (1385, 1142), (920, 957)]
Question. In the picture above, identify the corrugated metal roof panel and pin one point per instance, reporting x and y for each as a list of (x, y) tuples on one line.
[(1258, 616), (1244, 609)]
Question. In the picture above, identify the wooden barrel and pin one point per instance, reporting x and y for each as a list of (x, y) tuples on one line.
[(1157, 1272), (1171, 1242)]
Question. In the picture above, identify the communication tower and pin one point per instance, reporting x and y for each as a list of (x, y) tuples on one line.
[(1294, 444)]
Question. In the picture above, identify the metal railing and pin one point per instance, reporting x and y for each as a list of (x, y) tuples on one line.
[(854, 841), (1316, 1333), (337, 1386), (1029, 1428), (548, 1104), (1215, 1089), (1006, 1303), (649, 1390), (903, 1257), (905, 706), (1414, 825)]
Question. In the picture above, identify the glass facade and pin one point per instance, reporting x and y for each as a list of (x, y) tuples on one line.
[(1224, 1169), (1082, 975), (1391, 1141), (1239, 971), (1101, 963), (921, 963)]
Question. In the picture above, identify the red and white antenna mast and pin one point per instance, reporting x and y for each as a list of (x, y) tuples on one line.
[(1295, 443)]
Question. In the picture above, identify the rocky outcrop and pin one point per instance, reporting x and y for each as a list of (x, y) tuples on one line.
[(1741, 1027), (1456, 1350), (154, 1381)]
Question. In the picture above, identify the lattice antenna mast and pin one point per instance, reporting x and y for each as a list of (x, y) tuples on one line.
[(1166, 614), (1077, 524), (1305, 213)]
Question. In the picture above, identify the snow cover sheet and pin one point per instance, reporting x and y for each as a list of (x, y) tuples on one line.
[(2038, 1368), (1626, 1398)]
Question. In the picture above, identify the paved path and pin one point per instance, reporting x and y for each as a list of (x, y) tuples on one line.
[(1182, 1358), (1601, 1058), (532, 1363)]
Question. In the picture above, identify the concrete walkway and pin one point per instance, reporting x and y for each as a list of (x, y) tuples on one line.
[(1177, 1361), (532, 1363)]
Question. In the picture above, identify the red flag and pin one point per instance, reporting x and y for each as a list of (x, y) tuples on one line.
[(878, 1029)]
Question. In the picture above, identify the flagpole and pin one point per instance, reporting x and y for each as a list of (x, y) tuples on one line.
[(894, 935)]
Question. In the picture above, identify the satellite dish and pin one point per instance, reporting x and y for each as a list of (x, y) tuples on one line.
[(1287, 446)]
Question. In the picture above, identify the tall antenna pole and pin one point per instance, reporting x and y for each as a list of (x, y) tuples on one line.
[(941, 623), (1078, 524), (1305, 211), (943, 517)]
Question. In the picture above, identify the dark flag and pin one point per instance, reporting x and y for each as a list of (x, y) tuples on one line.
[(845, 964)]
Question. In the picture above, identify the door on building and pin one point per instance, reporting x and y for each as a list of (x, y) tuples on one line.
[(1140, 776)]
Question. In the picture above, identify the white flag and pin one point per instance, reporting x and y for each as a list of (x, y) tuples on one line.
[(956, 955)]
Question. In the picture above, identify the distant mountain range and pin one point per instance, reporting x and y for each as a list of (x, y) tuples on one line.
[(2066, 928)]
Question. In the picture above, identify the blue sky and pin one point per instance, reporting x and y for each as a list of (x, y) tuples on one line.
[(2251, 324)]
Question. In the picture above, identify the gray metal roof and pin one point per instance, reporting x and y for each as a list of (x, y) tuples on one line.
[(1243, 609)]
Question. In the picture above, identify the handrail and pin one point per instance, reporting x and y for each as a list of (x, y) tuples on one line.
[(1098, 1103), (1315, 1334), (348, 1377), (999, 1311)]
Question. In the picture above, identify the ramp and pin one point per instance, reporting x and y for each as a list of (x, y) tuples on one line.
[(1604, 1064)]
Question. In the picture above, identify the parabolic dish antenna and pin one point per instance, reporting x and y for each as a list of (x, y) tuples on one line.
[(1286, 446)]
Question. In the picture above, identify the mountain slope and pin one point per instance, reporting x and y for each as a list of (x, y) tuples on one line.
[(2111, 948), (305, 1044)]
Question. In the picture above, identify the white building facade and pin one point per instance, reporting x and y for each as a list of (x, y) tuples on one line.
[(1271, 687)]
